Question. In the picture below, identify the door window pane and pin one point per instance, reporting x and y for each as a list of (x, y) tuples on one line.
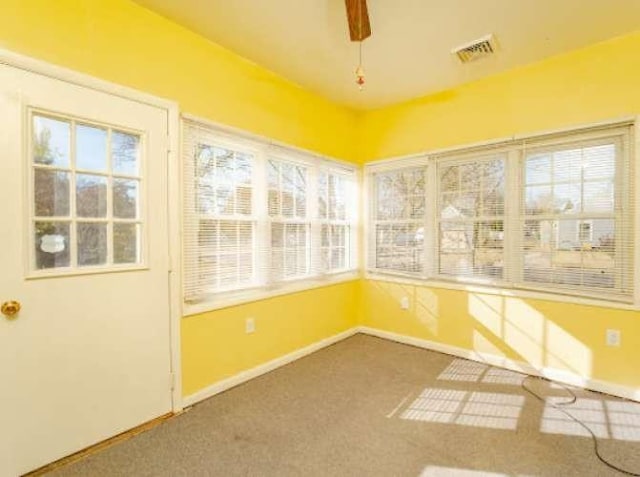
[(51, 142), (91, 196), (51, 243), (125, 198), (85, 204), (51, 193), (91, 148), (125, 243), (92, 244), (124, 153)]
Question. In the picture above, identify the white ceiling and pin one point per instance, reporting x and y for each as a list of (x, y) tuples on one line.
[(409, 52)]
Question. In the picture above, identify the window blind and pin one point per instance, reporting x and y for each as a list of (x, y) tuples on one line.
[(577, 216), (336, 230), (290, 224), (551, 213), (258, 217), (399, 220), (471, 195)]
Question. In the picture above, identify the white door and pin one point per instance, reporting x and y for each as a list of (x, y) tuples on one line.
[(84, 251)]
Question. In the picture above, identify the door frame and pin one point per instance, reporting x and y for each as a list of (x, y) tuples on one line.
[(174, 181)]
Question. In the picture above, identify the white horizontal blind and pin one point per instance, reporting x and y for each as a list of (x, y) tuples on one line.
[(220, 214), (551, 213), (398, 220), (289, 222), (334, 214), (577, 220), (471, 220), (255, 219)]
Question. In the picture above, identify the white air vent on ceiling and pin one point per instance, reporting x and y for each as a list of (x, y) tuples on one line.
[(477, 49)]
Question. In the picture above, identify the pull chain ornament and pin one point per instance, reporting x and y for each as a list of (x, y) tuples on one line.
[(360, 71), (360, 77)]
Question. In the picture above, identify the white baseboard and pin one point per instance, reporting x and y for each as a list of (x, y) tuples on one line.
[(553, 374), (494, 360), (259, 370)]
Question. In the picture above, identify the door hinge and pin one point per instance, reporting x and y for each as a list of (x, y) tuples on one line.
[(172, 381)]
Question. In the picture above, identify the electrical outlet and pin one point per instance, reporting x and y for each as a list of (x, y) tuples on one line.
[(250, 325), (613, 338), (404, 303)]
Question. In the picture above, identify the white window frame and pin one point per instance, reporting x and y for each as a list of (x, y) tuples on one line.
[(31, 271), (267, 285), (461, 160), (294, 220), (512, 285), (371, 200), (350, 235)]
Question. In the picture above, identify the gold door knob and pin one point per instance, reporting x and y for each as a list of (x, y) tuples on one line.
[(10, 308)]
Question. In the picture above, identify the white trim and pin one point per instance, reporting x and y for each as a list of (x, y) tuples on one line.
[(55, 72), (284, 288), (174, 212), (264, 368), (553, 374), (502, 291)]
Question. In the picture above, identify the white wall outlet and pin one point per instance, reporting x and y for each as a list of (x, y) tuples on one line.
[(613, 338), (404, 302), (250, 325)]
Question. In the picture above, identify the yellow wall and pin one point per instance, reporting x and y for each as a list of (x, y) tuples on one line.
[(215, 345), (119, 41), (592, 84), (587, 85)]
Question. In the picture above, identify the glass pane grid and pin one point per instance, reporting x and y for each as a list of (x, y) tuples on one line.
[(290, 251), (471, 218), (73, 195), (400, 211), (287, 190), (335, 227), (571, 228)]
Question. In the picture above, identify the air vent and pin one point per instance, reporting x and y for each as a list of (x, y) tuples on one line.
[(481, 48)]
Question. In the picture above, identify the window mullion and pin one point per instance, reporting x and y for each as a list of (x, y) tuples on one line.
[(73, 236), (260, 211), (430, 220), (313, 218), (513, 219)]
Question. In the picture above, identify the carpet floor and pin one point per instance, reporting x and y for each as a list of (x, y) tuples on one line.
[(370, 407)]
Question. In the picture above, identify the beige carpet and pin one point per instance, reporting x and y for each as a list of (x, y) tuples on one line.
[(370, 407)]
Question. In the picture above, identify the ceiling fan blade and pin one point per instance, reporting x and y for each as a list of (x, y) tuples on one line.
[(358, 16)]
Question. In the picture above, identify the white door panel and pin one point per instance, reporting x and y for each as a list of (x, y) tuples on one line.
[(88, 356)]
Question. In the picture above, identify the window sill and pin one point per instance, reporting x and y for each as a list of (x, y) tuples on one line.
[(239, 298), (503, 291), (89, 270)]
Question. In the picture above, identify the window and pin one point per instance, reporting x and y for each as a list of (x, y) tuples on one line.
[(571, 219), (471, 217), (551, 213), (399, 220), (224, 202), (85, 192), (290, 226), (260, 219), (336, 231)]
